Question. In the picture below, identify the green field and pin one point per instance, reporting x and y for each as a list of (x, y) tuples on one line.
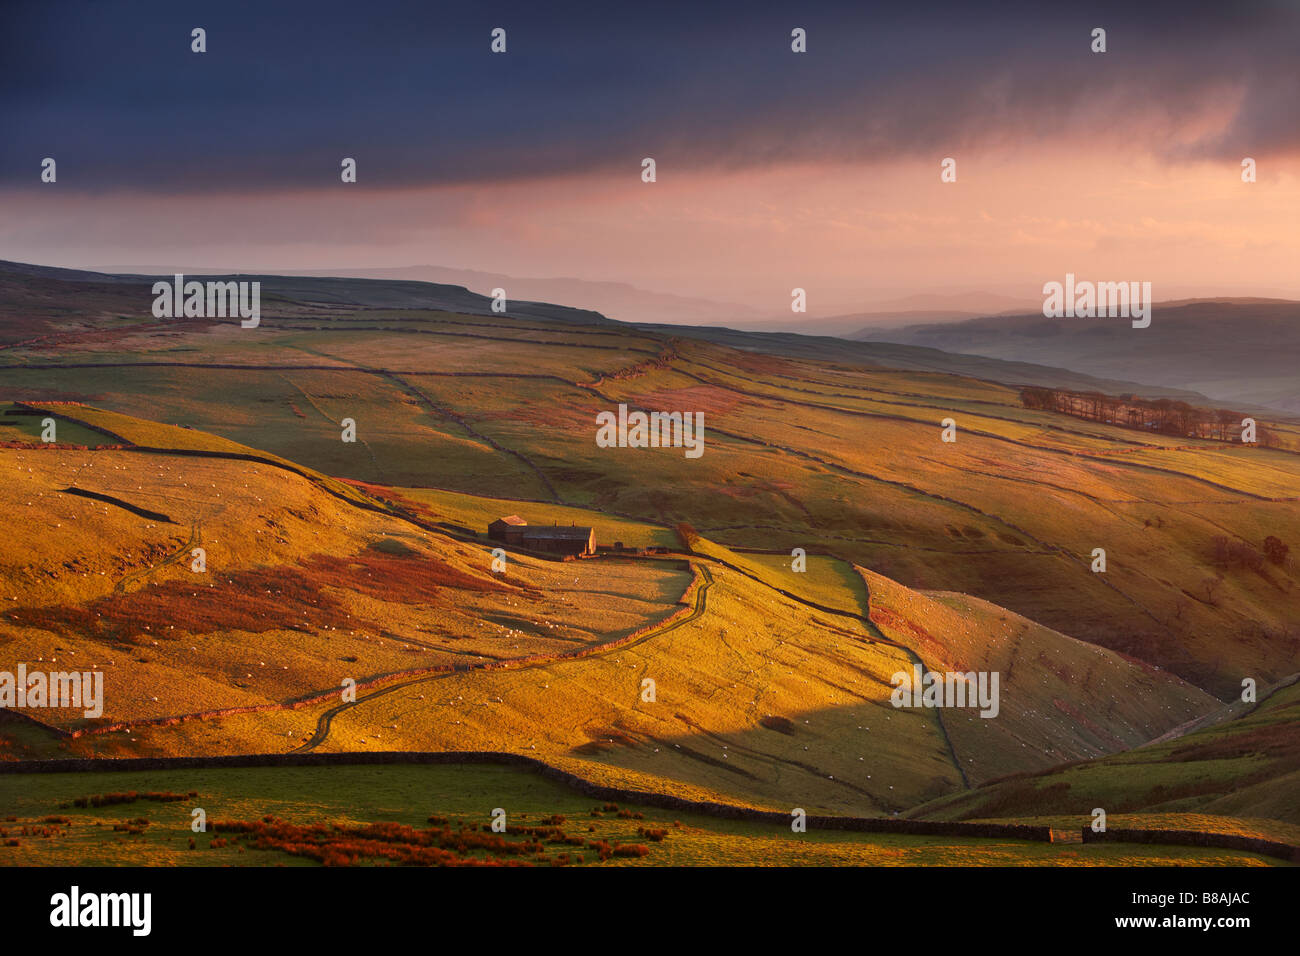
[(356, 796)]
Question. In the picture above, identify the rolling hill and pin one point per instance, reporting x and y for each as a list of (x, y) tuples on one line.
[(330, 559), (1237, 351), (775, 686), (1243, 762)]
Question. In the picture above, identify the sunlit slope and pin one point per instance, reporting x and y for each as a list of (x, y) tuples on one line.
[(799, 453), (474, 513), (1245, 766), (818, 579), (1060, 699), (300, 588), (759, 696), (1011, 512), (81, 424), (755, 696)]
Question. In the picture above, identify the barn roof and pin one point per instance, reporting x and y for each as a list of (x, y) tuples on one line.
[(511, 519), (558, 532)]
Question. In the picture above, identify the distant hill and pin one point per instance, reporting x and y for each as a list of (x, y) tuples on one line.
[(923, 308), (323, 290), (888, 354), (1236, 350), (37, 302), (618, 300)]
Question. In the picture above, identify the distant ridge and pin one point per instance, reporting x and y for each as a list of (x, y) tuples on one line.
[(1234, 349), (617, 300), (374, 293), (37, 300)]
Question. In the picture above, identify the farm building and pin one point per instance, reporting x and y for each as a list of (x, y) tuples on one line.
[(559, 539), (509, 529), (552, 539)]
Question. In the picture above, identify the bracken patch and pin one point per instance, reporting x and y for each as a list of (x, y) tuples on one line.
[(288, 597)]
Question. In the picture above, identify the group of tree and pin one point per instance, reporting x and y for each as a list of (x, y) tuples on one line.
[(1164, 415), (689, 536), (1236, 553)]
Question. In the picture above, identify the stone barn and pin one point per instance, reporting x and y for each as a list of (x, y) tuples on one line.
[(509, 529), (557, 539), (570, 540)]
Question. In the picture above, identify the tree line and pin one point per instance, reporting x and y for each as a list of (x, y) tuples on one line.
[(1164, 415)]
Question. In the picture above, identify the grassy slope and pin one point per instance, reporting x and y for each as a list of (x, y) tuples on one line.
[(762, 698), (408, 795), (302, 589), (474, 512), (800, 453), (1061, 699), (1247, 766)]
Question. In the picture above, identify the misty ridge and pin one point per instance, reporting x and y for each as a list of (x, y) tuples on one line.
[(1232, 350)]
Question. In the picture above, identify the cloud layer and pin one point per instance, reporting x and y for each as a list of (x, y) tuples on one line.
[(412, 91)]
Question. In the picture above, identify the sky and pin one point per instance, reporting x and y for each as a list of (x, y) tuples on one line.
[(774, 169)]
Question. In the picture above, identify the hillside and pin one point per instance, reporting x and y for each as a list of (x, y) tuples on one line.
[(302, 587), (774, 682), (437, 814), (801, 452), (330, 559), (41, 300), (1239, 352), (1245, 765)]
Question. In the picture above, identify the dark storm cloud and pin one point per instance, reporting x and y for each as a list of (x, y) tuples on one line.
[(112, 91)]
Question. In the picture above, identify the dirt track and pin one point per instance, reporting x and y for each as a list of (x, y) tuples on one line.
[(701, 603)]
